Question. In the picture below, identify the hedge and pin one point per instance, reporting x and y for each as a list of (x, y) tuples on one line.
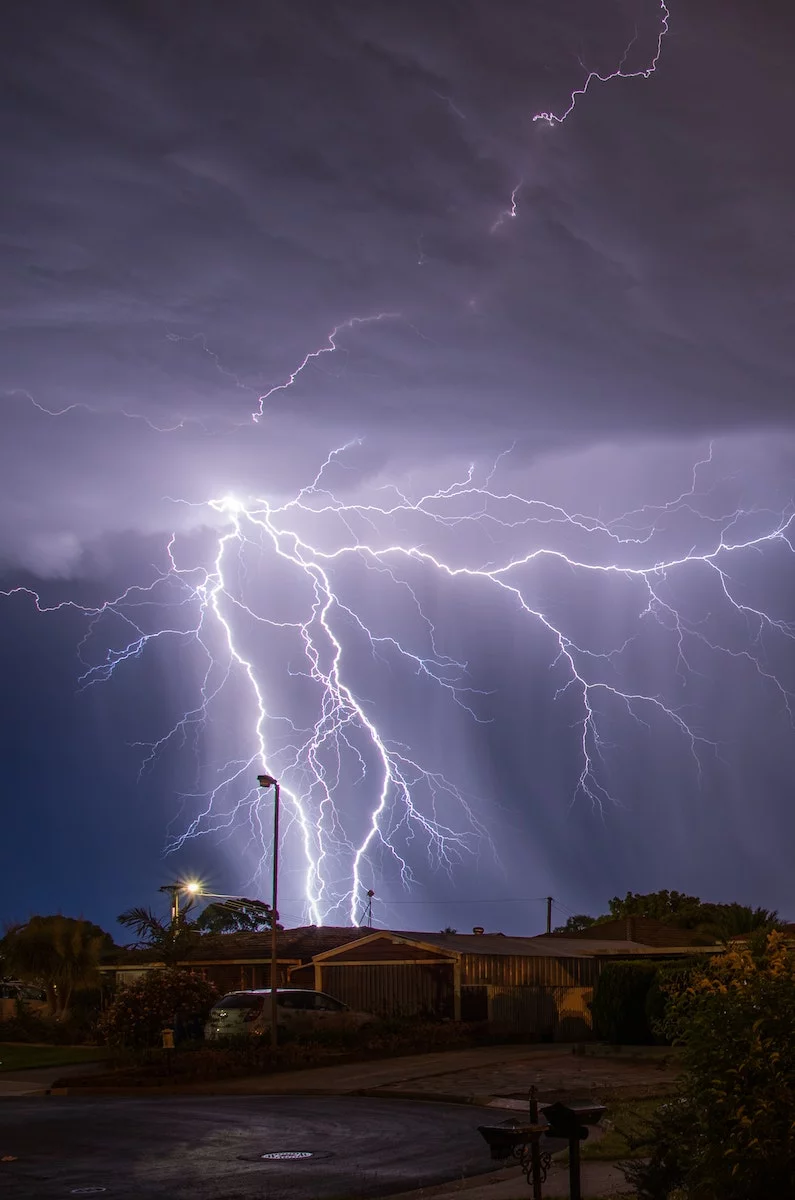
[(619, 1003)]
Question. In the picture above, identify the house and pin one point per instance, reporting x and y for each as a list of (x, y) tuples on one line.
[(516, 983), (541, 986)]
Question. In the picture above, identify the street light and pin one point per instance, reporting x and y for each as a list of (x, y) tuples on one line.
[(266, 781), (174, 890)]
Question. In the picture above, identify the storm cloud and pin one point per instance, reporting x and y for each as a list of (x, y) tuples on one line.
[(196, 197)]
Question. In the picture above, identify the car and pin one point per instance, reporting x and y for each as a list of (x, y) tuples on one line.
[(13, 993), (249, 1013)]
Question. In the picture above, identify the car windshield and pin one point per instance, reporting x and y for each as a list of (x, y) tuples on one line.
[(240, 1000)]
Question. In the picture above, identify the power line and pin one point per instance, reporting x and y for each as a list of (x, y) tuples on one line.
[(445, 903)]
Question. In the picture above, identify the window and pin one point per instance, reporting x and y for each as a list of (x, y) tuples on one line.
[(329, 1004), (32, 993), (240, 1000), (297, 1000)]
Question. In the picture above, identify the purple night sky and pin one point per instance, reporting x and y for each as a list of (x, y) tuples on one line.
[(440, 461)]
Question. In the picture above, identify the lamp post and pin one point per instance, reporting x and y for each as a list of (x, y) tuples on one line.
[(266, 781), (174, 890)]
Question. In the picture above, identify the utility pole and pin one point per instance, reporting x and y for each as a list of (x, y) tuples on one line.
[(173, 890), (549, 913), (266, 781)]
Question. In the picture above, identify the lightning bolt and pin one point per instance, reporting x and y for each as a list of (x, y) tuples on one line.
[(353, 789), (508, 214), (80, 406), (329, 348), (619, 73)]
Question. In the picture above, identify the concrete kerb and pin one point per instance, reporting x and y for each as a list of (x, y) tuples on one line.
[(208, 1089)]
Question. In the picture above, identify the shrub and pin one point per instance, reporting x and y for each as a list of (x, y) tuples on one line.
[(619, 1003), (732, 1134), (139, 1011), (35, 1030), (670, 980), (76, 1028)]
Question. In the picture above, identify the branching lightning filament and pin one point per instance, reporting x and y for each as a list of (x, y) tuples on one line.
[(312, 651)]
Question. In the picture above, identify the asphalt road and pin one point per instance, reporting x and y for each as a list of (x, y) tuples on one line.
[(210, 1148)]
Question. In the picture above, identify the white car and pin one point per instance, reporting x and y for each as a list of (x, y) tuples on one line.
[(241, 1013)]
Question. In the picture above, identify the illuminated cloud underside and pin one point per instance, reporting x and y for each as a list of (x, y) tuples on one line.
[(352, 788)]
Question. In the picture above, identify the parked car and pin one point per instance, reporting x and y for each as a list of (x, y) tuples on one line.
[(13, 993), (250, 1012)]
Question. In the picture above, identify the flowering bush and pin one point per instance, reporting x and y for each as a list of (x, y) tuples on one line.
[(137, 1015), (732, 1132)]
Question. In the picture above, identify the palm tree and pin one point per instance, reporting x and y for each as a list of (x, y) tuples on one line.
[(61, 954), (172, 940)]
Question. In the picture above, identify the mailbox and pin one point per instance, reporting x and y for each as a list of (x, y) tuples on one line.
[(503, 1140), (571, 1122)]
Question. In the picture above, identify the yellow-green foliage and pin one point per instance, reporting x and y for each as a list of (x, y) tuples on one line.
[(732, 1134)]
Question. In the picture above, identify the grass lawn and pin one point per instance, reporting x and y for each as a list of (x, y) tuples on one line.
[(18, 1057), (629, 1118)]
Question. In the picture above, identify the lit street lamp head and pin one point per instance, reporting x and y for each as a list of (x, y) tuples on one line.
[(266, 781)]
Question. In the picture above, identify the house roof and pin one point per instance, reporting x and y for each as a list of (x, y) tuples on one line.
[(495, 943), (292, 945), (522, 947), (303, 944)]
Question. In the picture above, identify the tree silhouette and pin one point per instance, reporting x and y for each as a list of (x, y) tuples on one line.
[(61, 954)]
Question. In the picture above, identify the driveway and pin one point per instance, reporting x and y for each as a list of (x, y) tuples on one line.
[(210, 1148)]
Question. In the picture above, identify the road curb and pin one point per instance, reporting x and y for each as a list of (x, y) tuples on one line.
[(431, 1097), (210, 1090)]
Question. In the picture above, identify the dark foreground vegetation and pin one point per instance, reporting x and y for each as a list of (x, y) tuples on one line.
[(730, 1132)]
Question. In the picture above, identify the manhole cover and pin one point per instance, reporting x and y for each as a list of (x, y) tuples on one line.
[(281, 1155), (286, 1156)]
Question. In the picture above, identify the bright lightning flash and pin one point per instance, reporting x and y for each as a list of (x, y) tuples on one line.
[(285, 602)]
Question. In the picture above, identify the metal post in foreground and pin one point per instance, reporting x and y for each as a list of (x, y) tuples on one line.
[(173, 890), (535, 1151), (266, 781)]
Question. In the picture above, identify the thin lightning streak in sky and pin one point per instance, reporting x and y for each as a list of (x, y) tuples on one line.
[(354, 791), (350, 323), (79, 406), (594, 76), (330, 348), (508, 214)]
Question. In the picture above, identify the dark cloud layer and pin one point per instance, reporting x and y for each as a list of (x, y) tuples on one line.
[(256, 178), (195, 196)]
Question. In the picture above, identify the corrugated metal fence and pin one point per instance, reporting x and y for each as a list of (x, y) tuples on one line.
[(559, 1013), (396, 989)]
